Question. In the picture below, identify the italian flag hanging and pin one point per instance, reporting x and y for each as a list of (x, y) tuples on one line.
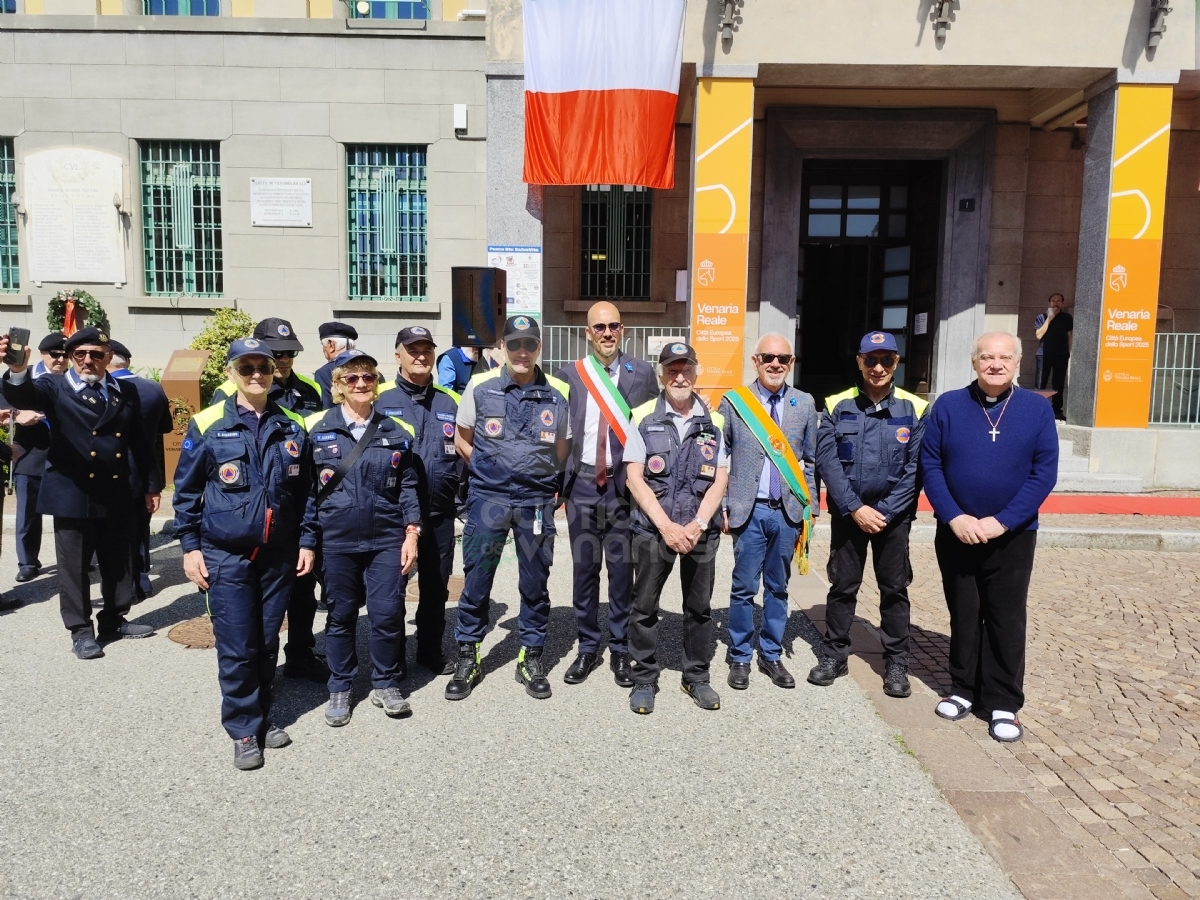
[(601, 388)]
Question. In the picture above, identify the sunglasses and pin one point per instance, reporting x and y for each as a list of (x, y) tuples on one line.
[(885, 362), (247, 370), (602, 327), (81, 355), (365, 377), (56, 354), (285, 354), (521, 344), (784, 358)]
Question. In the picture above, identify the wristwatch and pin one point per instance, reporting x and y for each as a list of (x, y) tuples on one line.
[(413, 529), (703, 525)]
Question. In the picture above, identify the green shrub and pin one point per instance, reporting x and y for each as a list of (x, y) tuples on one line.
[(225, 327)]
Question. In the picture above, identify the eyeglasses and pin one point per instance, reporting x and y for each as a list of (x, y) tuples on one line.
[(884, 362), (81, 355), (365, 377), (601, 327), (784, 358), (992, 357), (263, 369), (56, 354), (285, 354), (528, 344)]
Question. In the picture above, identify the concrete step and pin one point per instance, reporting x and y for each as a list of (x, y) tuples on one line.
[(1094, 482), (1065, 448), (1072, 464)]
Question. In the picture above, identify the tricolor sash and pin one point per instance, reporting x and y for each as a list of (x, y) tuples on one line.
[(602, 389), (770, 436)]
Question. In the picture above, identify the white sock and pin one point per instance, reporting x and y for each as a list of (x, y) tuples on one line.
[(948, 709), (1004, 724)]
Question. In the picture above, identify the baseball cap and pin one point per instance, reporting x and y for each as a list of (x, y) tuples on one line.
[(278, 334), (677, 351), (522, 326), (414, 334), (348, 356), (248, 347), (85, 336), (874, 341)]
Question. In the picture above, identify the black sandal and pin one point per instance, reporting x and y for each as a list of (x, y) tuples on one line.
[(1006, 740), (963, 711)]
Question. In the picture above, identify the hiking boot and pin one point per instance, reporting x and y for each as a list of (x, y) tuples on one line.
[(702, 694), (391, 701), (827, 671), (468, 672), (276, 737), (895, 679), (246, 754), (531, 674), (338, 712), (641, 699)]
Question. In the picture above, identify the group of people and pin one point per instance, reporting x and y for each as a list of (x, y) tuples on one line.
[(355, 483)]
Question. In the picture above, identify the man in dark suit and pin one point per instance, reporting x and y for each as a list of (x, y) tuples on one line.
[(31, 438), (156, 416), (96, 435), (597, 503)]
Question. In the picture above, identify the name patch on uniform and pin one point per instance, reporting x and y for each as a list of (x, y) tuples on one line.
[(448, 429), (229, 473), (548, 417), (493, 427), (327, 436), (708, 471), (548, 437), (396, 457), (394, 412), (326, 474), (445, 417), (293, 470), (902, 435), (495, 392), (656, 464), (292, 447), (227, 434), (656, 428)]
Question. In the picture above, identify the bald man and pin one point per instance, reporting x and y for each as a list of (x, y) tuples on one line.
[(605, 386)]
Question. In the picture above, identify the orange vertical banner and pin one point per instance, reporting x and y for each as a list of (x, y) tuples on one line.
[(1141, 146), (724, 123)]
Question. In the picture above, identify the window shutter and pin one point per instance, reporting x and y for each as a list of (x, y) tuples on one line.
[(183, 214)]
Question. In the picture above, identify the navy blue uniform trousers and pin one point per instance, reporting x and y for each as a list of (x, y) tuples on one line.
[(29, 521), (435, 562), (247, 599), (598, 523), (352, 579), (487, 527)]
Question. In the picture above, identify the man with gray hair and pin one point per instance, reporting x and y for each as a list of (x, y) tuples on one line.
[(336, 339), (771, 438), (989, 458)]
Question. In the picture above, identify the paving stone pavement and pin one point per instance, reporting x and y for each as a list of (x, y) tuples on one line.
[(117, 781), (1112, 715)]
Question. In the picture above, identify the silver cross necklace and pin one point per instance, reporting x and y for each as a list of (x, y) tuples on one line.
[(996, 425)]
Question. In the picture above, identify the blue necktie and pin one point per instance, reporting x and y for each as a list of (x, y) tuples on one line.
[(776, 489)]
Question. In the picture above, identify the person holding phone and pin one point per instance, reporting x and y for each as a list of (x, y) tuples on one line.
[(96, 434)]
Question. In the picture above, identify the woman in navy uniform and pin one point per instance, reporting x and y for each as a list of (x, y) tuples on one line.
[(245, 513), (367, 509)]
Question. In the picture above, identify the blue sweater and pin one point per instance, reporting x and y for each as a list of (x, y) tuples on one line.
[(964, 471)]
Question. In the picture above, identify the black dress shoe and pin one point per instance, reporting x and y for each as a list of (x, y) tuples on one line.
[(773, 669), (27, 573), (827, 671), (585, 664), (10, 603), (739, 676), (436, 663), (85, 647), (622, 669)]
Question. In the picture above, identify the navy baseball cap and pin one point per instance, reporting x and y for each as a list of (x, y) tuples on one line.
[(414, 334), (278, 334), (248, 347), (677, 351), (337, 329), (349, 356), (874, 341), (522, 326)]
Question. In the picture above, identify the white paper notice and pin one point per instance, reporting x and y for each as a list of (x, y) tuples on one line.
[(281, 202), (523, 271), (74, 227), (921, 323)]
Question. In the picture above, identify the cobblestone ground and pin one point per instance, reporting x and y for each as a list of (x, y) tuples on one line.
[(1112, 717)]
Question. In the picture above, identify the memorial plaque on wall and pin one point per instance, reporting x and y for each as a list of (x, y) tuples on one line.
[(281, 202), (73, 225)]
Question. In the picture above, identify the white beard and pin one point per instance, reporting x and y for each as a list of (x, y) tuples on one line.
[(89, 379)]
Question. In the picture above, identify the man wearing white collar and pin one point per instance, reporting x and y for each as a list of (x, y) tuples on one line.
[(96, 435)]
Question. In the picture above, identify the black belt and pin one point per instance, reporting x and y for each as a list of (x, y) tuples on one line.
[(766, 501), (585, 469)]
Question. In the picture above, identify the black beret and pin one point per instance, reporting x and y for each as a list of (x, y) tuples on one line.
[(54, 341), (337, 329), (120, 349), (86, 336)]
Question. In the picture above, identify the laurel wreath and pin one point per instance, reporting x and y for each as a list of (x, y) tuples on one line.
[(85, 302)]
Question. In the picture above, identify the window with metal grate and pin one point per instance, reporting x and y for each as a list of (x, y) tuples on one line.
[(181, 7), (615, 243), (10, 270), (388, 9), (8, 6), (386, 206), (181, 217)]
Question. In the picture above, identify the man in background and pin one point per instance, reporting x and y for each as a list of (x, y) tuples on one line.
[(1054, 332), (336, 338)]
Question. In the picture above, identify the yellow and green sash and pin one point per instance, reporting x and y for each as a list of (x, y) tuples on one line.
[(750, 409)]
